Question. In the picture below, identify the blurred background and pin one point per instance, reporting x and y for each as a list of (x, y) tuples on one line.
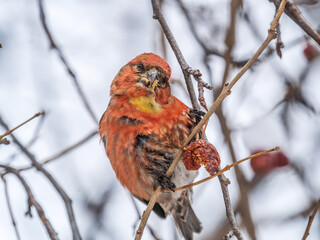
[(51, 49)]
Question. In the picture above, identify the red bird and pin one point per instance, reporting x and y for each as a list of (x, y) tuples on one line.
[(142, 129)]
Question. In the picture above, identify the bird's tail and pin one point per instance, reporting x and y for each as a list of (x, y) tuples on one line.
[(185, 219)]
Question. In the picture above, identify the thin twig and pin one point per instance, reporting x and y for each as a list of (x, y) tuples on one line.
[(10, 208), (32, 202), (192, 26), (194, 32), (230, 38), (63, 152), (70, 148), (229, 235), (152, 232), (294, 13), (195, 73), (4, 141), (279, 43), (229, 42), (197, 76), (66, 199), (201, 85), (316, 209), (224, 93), (224, 182), (13, 129), (63, 59), (37, 130), (162, 38), (183, 64), (226, 168), (33, 139), (241, 180)]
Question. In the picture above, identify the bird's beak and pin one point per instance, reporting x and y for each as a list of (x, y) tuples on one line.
[(152, 75)]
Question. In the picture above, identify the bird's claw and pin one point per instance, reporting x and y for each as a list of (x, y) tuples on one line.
[(196, 115), (165, 183), (197, 112)]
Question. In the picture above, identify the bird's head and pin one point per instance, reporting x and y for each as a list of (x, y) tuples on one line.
[(145, 74)]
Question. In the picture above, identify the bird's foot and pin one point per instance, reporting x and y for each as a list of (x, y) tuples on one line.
[(165, 183)]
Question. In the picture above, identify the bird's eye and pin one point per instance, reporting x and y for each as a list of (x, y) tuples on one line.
[(140, 67)]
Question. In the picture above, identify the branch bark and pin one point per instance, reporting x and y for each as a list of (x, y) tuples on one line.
[(63, 59), (226, 90), (229, 42), (66, 199), (186, 69), (226, 168), (294, 13), (242, 182), (32, 202), (10, 208), (316, 209), (63, 152), (8, 132)]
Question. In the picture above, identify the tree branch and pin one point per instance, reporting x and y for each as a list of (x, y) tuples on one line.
[(32, 202), (226, 168), (226, 90), (186, 69), (63, 152), (316, 209), (242, 182), (207, 50), (294, 13), (13, 129), (66, 199), (10, 207), (229, 42), (63, 59)]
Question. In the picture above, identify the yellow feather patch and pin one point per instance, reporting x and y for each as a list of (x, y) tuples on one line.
[(146, 104)]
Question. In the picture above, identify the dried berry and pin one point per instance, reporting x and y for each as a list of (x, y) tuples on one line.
[(266, 163), (311, 51), (200, 153)]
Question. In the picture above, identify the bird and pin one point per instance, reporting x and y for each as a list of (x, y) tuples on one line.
[(142, 130)]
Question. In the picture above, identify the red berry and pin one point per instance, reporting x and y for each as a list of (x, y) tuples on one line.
[(188, 160), (310, 51), (266, 163), (280, 159), (201, 152)]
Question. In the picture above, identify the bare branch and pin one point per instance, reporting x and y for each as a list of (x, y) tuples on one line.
[(72, 147), (59, 189), (11, 130), (183, 64), (193, 30), (63, 59), (279, 43), (63, 152), (32, 202), (10, 208), (242, 183), (224, 93), (229, 42), (230, 37), (226, 168), (229, 235), (201, 85), (294, 13), (316, 209), (207, 50), (37, 129), (4, 141)]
